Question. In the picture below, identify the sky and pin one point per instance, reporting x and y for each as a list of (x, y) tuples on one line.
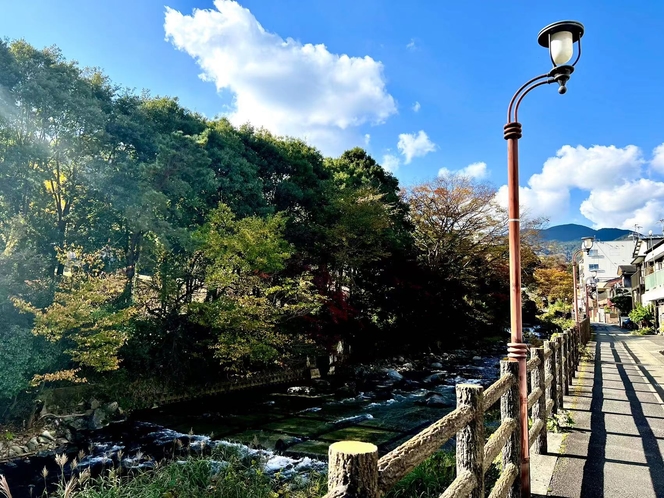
[(423, 86)]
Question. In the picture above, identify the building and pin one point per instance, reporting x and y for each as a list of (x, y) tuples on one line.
[(600, 273), (648, 286)]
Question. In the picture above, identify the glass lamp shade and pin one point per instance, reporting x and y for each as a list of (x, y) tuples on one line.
[(561, 47), (587, 243)]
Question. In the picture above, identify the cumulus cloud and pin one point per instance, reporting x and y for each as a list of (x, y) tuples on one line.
[(367, 139), (416, 107), (415, 145), (391, 162), (598, 166), (618, 194), (291, 88), (411, 44), (657, 162), (477, 171)]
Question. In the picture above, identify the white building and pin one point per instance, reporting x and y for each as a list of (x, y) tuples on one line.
[(604, 258)]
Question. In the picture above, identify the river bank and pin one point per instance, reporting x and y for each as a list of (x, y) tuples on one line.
[(384, 403)]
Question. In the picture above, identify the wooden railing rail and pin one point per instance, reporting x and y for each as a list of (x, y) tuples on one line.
[(356, 471)]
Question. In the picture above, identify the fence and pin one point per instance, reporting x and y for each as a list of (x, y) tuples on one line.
[(356, 471)]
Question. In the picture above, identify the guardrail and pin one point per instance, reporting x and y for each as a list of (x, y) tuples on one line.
[(356, 471)]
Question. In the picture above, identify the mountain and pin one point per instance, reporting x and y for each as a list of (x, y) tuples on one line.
[(572, 232)]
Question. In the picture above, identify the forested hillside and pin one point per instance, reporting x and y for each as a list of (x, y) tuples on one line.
[(141, 240)]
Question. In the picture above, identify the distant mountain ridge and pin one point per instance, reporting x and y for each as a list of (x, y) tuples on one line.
[(572, 232)]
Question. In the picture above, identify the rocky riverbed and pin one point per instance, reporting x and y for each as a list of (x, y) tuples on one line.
[(384, 403)]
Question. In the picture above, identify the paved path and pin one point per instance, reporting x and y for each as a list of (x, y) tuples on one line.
[(616, 445)]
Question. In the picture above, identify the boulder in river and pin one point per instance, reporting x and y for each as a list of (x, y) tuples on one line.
[(436, 364), (33, 444), (47, 435), (393, 375), (15, 451), (436, 378), (435, 400), (308, 390)]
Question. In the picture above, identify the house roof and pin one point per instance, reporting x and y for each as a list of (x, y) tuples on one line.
[(626, 270)]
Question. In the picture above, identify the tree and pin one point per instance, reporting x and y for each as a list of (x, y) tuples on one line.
[(642, 315), (85, 315), (623, 303), (248, 298), (461, 238), (554, 284)]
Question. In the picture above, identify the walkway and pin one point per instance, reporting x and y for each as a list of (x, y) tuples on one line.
[(616, 445)]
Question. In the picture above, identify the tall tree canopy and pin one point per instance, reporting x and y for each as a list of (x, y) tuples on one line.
[(143, 239)]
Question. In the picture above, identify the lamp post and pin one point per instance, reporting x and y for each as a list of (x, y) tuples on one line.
[(593, 276), (586, 245), (559, 38)]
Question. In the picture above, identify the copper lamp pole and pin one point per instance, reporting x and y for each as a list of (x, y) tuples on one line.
[(559, 38), (587, 244)]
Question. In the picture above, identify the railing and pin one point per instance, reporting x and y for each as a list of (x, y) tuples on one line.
[(356, 471), (655, 280)]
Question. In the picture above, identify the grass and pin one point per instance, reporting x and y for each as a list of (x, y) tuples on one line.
[(225, 473), (228, 473), (643, 331), (561, 422), (231, 473), (429, 479)]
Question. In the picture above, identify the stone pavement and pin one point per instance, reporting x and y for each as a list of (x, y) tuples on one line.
[(616, 402)]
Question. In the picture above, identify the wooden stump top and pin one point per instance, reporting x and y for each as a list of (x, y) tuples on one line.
[(353, 447)]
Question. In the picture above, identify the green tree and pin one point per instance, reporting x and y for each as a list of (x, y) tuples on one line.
[(248, 297)]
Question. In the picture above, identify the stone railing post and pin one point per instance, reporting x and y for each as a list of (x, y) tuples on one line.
[(509, 409), (539, 408), (575, 349), (559, 372), (470, 439), (564, 358), (550, 370), (353, 470)]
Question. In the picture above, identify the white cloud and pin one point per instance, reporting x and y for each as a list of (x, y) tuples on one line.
[(411, 44), (657, 162), (288, 87), (415, 145), (476, 171), (618, 195), (416, 107), (640, 201), (588, 168), (391, 162), (546, 203), (367, 139)]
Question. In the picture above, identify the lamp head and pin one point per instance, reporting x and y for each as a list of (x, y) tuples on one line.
[(559, 38), (587, 243)]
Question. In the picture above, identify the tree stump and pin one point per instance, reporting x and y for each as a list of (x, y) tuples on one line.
[(354, 466)]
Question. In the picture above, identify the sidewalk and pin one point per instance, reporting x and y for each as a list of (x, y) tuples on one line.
[(616, 445)]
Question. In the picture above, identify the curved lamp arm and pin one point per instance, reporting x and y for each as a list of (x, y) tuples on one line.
[(559, 74)]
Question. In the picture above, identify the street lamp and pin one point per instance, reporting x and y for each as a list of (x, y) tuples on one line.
[(586, 245), (559, 38), (593, 287)]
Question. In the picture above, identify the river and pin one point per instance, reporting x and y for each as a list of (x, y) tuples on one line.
[(290, 426)]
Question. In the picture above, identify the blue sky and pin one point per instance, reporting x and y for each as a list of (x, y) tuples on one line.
[(589, 156)]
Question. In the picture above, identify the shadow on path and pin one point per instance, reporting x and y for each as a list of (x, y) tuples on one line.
[(598, 478)]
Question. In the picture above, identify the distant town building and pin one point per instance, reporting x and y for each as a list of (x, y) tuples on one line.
[(601, 276)]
